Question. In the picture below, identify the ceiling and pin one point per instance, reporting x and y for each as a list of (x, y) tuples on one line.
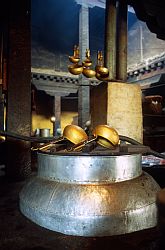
[(55, 25), (152, 12), (149, 11)]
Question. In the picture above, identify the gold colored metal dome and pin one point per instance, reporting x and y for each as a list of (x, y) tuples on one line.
[(74, 59), (89, 72), (75, 134), (75, 69), (103, 71), (106, 136)]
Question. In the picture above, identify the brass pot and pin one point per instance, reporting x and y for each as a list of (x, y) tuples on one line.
[(88, 72), (74, 59), (102, 77), (102, 71), (87, 63), (75, 69)]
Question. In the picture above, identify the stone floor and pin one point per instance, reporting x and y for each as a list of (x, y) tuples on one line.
[(18, 233)]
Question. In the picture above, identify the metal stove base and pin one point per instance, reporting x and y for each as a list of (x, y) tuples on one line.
[(91, 210), (95, 226)]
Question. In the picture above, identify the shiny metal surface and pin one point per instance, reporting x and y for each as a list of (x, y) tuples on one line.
[(45, 132), (75, 69), (75, 134), (106, 136), (72, 133), (89, 169), (91, 210), (90, 195), (88, 72)]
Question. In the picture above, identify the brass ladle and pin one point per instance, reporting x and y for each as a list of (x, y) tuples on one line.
[(104, 135), (72, 133)]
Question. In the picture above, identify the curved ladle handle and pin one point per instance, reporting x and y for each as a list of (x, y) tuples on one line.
[(48, 145), (80, 145)]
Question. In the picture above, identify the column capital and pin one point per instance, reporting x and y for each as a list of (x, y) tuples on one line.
[(90, 4)]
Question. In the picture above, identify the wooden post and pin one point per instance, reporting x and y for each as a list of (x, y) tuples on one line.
[(1, 86), (110, 37), (121, 55), (19, 89)]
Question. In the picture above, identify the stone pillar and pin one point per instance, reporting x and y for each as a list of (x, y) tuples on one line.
[(19, 89), (57, 114), (84, 89)]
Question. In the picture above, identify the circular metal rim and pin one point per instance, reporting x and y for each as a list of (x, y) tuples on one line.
[(89, 169)]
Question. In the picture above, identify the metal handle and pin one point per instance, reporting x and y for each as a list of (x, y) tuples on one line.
[(48, 145), (80, 145)]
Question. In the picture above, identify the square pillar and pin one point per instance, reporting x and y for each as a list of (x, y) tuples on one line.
[(84, 88), (118, 105)]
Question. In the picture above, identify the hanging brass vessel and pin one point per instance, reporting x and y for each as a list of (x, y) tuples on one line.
[(76, 55), (75, 69), (87, 62), (101, 78), (74, 59), (89, 72), (101, 71)]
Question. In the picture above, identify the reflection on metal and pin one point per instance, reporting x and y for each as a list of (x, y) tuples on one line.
[(72, 133), (90, 195), (75, 68), (106, 136)]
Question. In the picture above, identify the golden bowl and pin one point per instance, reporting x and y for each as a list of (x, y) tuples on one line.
[(101, 78), (74, 59), (87, 63), (103, 71), (88, 72), (75, 69), (75, 134), (106, 136)]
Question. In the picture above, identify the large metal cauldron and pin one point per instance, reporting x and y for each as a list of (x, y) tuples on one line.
[(90, 195)]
